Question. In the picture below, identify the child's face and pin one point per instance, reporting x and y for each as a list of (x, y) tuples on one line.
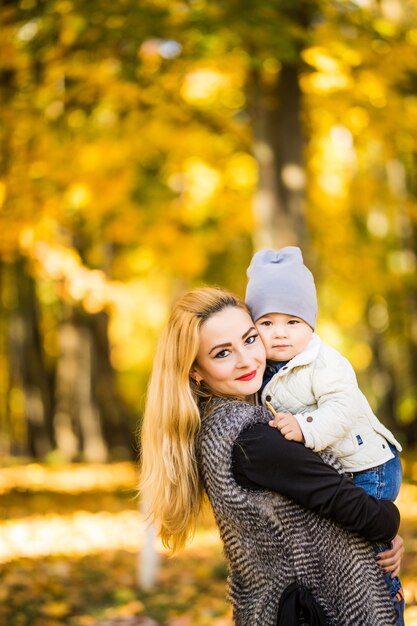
[(284, 336)]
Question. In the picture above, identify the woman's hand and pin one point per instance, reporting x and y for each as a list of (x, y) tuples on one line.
[(390, 560)]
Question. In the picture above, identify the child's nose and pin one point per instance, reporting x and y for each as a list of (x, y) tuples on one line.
[(280, 330)]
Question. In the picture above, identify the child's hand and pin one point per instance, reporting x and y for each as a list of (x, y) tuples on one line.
[(286, 424)]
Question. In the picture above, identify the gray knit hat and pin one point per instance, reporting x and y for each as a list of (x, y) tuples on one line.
[(279, 282)]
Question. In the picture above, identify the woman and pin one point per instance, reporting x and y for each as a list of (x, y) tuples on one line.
[(201, 428)]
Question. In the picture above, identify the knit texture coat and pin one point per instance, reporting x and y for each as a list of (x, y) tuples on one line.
[(270, 541)]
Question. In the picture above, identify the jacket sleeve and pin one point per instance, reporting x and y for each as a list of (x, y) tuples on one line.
[(264, 459), (338, 399)]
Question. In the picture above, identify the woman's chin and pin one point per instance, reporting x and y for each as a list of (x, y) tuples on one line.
[(249, 388)]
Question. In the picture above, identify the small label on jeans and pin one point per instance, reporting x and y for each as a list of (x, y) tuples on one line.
[(359, 439)]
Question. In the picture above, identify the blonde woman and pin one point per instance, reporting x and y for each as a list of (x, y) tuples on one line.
[(295, 529)]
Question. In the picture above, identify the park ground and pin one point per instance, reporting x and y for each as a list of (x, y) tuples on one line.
[(69, 540)]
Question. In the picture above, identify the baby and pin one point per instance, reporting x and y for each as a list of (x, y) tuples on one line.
[(311, 387)]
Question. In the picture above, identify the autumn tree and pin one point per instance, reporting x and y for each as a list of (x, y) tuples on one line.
[(147, 147)]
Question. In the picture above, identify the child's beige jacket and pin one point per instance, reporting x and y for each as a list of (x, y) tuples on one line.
[(319, 387)]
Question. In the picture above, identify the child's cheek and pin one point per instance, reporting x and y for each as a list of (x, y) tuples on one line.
[(264, 336)]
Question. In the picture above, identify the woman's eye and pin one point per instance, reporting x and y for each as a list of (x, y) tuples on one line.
[(252, 338), (222, 354)]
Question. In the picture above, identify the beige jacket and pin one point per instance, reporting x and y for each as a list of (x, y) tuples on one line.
[(319, 387)]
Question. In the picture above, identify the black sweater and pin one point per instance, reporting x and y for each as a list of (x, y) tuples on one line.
[(264, 459)]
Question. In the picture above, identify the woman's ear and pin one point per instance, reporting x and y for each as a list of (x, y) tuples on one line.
[(195, 376)]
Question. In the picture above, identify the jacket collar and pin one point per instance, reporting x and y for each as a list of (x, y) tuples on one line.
[(305, 357)]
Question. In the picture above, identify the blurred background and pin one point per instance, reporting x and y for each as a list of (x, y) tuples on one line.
[(150, 146)]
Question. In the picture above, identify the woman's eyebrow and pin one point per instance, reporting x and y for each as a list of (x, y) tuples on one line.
[(229, 343), (221, 345), (250, 330)]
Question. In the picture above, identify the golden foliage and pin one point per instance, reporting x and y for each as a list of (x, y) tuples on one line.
[(130, 173)]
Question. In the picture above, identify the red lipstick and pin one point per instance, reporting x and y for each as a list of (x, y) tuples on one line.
[(248, 376)]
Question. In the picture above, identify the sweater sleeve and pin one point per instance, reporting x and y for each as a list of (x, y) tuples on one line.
[(264, 459)]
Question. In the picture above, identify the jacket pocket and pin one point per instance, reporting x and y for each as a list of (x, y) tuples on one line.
[(349, 445)]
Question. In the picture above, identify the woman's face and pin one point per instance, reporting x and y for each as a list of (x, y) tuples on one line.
[(231, 358)]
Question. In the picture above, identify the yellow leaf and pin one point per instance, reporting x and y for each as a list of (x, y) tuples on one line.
[(55, 609)]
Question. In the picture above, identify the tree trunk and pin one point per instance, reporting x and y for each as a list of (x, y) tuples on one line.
[(278, 147), (148, 562), (91, 420), (116, 420), (388, 401), (5, 431), (77, 423), (28, 404)]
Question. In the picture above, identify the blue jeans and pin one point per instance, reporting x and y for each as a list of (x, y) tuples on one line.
[(383, 482), (394, 587)]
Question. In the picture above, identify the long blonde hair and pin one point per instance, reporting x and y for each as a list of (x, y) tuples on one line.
[(169, 482)]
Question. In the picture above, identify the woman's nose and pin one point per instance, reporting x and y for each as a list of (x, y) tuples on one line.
[(243, 359)]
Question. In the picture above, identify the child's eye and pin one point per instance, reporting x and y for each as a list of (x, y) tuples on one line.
[(222, 354), (293, 322), (251, 339), (265, 323)]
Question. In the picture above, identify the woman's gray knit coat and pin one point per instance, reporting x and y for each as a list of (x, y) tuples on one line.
[(269, 541)]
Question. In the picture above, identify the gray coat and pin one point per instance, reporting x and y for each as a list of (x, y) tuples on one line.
[(270, 541)]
